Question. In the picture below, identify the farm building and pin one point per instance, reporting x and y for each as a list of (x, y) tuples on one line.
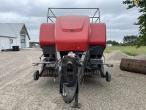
[(13, 34)]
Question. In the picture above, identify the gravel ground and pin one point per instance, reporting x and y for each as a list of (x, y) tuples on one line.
[(18, 91)]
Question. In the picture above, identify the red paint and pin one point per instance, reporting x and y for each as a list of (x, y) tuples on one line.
[(98, 34), (47, 34), (72, 33)]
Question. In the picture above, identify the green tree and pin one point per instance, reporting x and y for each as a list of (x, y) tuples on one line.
[(112, 42), (141, 5), (130, 40)]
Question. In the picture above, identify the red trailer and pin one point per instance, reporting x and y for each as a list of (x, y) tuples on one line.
[(73, 47)]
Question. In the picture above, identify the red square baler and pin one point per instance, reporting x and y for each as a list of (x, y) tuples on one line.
[(73, 47)]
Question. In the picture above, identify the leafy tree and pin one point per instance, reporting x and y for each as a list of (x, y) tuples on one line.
[(130, 40), (141, 5), (112, 42)]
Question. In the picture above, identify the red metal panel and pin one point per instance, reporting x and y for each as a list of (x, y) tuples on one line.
[(98, 34), (47, 34), (71, 33)]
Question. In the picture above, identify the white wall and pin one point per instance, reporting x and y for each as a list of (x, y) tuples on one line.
[(18, 41), (14, 42), (27, 42), (5, 43)]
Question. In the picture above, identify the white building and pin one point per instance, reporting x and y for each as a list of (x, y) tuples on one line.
[(13, 34)]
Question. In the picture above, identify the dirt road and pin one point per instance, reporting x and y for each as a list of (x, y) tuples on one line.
[(18, 91)]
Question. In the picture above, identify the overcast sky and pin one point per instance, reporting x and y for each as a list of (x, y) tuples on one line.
[(119, 21)]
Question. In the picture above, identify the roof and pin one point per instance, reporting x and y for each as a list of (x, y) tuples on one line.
[(12, 29)]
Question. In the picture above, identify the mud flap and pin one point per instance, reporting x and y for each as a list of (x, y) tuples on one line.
[(68, 81), (69, 92)]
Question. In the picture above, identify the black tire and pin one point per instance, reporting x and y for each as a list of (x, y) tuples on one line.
[(36, 75), (108, 77)]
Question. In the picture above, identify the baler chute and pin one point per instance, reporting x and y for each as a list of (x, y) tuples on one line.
[(73, 48)]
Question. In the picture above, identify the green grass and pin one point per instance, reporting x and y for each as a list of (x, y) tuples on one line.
[(129, 50)]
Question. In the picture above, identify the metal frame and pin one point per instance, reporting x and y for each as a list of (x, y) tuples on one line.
[(51, 15), (78, 73)]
